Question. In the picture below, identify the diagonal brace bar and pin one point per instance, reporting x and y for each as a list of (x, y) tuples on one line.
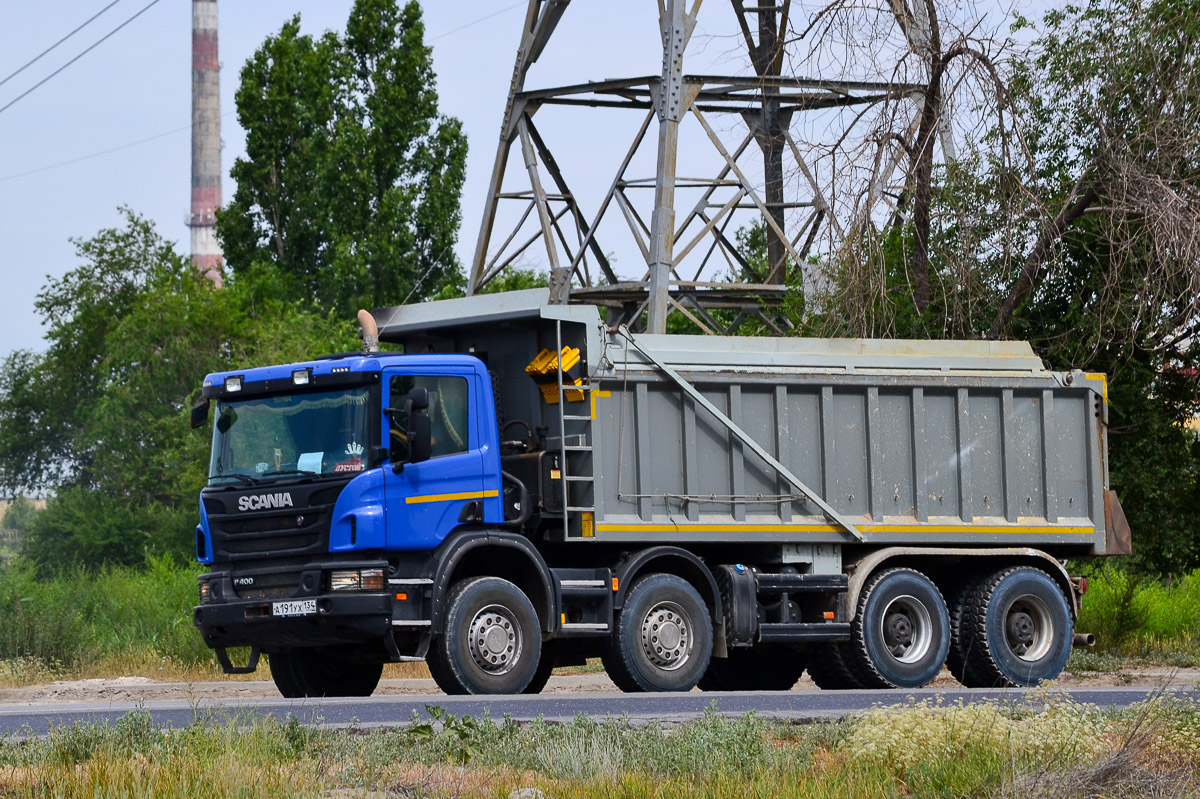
[(743, 436)]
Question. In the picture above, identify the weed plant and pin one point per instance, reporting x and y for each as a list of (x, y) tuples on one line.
[(1140, 620), (1056, 748), (83, 619), (127, 620)]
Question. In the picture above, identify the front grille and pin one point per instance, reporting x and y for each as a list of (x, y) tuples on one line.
[(299, 530), (267, 586)]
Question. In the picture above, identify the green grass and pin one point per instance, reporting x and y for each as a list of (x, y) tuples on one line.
[(1141, 620), (82, 620), (1061, 750), (137, 621)]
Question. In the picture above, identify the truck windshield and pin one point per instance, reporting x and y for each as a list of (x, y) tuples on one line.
[(270, 438)]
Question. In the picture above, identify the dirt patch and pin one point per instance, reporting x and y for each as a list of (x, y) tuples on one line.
[(144, 689)]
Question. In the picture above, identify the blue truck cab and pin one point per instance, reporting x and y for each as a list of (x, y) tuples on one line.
[(332, 484)]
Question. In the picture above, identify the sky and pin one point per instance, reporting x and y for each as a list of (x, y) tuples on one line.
[(112, 129)]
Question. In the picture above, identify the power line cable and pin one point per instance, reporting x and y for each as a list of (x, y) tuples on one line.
[(37, 57), (76, 58), (166, 133), (90, 156), (476, 22)]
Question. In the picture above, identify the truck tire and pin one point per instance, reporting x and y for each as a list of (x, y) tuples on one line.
[(544, 670), (281, 674), (828, 668), (754, 669), (311, 672), (901, 631), (491, 642), (663, 639), (956, 657), (1016, 630)]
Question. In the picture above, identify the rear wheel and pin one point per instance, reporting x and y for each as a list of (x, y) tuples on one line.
[(663, 639), (491, 641), (828, 667), (311, 672), (755, 669), (1016, 631), (956, 657), (901, 631)]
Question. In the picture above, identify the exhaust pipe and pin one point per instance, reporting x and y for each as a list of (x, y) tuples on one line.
[(370, 332), (1085, 639)]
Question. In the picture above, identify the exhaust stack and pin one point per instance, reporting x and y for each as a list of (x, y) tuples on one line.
[(370, 332)]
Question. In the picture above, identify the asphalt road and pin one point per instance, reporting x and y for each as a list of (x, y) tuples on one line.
[(390, 711)]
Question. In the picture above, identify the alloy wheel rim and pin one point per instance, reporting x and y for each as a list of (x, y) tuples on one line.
[(1029, 628), (666, 636), (906, 629), (494, 640)]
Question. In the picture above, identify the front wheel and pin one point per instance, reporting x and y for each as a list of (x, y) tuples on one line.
[(1016, 630), (310, 672), (663, 639), (491, 641)]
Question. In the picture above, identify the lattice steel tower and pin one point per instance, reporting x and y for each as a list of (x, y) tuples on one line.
[(680, 245)]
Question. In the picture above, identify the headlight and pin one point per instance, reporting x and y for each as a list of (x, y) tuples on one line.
[(344, 581), (355, 580), (372, 579), (233, 383), (300, 377), (205, 592)]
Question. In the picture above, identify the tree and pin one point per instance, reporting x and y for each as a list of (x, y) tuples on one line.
[(1075, 225), (100, 419), (19, 515), (350, 187)]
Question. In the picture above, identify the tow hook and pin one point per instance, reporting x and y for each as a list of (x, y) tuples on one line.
[(228, 667)]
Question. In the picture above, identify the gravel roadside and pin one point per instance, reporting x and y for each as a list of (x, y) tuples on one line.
[(144, 689)]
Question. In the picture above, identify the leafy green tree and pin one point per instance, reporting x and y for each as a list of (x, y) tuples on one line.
[(100, 419), (350, 187), (19, 515)]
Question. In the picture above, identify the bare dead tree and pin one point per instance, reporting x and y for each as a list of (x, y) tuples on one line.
[(963, 203)]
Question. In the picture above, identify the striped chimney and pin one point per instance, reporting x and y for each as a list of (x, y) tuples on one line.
[(206, 140)]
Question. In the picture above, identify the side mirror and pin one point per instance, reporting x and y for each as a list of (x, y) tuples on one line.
[(419, 397), (420, 436), (199, 414)]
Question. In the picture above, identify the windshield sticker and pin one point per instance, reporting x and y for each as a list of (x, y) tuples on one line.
[(310, 462), (354, 464), (261, 467)]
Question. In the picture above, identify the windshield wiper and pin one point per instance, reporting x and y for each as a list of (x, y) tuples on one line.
[(281, 472), (239, 477)]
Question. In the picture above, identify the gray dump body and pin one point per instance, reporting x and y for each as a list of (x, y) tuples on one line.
[(859, 441)]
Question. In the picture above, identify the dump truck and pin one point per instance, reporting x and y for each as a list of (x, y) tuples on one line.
[(516, 486)]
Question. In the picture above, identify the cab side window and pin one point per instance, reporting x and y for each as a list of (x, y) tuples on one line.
[(448, 414)]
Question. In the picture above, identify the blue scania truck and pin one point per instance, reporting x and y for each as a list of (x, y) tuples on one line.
[(516, 486)]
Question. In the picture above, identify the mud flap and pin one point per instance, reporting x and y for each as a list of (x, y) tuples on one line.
[(228, 667), (1118, 537)]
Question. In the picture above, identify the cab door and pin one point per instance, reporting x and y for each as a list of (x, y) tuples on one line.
[(426, 500)]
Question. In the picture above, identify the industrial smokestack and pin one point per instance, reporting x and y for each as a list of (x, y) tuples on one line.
[(206, 140)]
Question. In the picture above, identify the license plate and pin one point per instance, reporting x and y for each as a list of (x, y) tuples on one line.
[(302, 607)]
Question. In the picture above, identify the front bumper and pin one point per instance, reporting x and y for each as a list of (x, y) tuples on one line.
[(349, 618)]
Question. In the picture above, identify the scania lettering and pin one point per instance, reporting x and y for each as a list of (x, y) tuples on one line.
[(517, 485), (265, 501)]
